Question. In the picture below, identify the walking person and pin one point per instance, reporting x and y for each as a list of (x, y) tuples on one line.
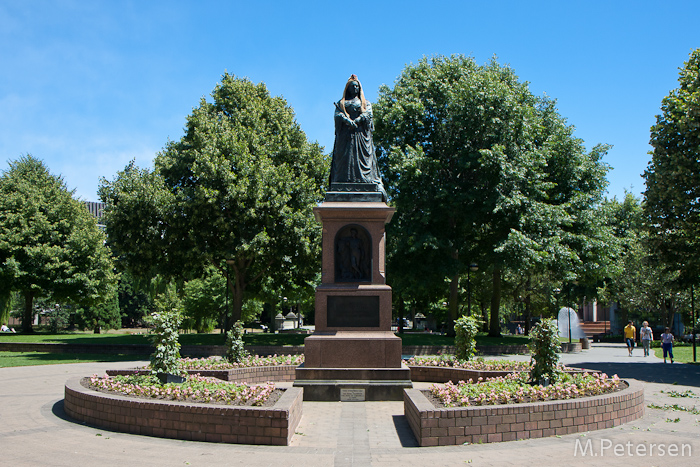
[(646, 335), (630, 334), (667, 344)]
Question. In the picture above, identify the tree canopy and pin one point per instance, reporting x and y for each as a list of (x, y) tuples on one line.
[(643, 289), (235, 192), (672, 196), (50, 244), (482, 171)]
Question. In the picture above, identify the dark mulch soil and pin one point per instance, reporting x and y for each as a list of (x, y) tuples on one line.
[(271, 401)]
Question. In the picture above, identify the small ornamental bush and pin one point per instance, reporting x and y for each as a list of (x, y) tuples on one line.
[(235, 349), (165, 335), (544, 346), (515, 388), (466, 329), (196, 388)]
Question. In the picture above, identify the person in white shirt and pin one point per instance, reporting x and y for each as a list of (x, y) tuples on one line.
[(647, 336)]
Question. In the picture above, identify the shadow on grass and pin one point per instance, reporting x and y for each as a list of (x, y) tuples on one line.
[(12, 359), (257, 338)]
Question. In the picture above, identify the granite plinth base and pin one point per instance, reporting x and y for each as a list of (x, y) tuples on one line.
[(353, 384), (353, 349), (354, 192)]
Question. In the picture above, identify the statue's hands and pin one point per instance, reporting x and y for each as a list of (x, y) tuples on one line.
[(352, 123), (358, 121)]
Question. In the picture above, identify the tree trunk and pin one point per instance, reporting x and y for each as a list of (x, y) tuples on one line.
[(494, 325), (28, 312), (665, 313), (454, 304), (236, 303), (528, 317), (236, 286), (528, 311), (402, 313)]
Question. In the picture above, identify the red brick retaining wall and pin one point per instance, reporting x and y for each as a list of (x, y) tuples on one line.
[(252, 375), (188, 421), (487, 424), (443, 374)]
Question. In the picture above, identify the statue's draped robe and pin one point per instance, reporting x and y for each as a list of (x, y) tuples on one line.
[(354, 160)]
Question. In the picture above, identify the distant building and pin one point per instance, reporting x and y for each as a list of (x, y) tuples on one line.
[(96, 209)]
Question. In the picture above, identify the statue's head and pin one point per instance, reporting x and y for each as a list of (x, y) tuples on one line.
[(353, 89)]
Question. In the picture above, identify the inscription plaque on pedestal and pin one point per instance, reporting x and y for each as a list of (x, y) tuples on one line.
[(352, 395), (345, 311)]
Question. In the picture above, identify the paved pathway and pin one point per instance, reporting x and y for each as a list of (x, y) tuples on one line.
[(34, 430)]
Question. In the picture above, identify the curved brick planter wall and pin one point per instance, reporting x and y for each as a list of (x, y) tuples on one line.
[(188, 421), (486, 424), (430, 425), (252, 375)]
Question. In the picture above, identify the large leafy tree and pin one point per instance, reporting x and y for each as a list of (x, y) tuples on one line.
[(49, 243), (204, 299), (105, 315), (135, 302), (482, 171), (235, 192), (644, 290), (672, 196)]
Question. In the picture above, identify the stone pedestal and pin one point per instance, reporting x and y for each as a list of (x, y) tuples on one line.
[(353, 355)]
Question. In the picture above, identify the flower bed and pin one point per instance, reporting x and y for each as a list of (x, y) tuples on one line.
[(253, 369), (478, 364), (188, 419), (514, 388), (196, 388), (434, 426), (219, 363)]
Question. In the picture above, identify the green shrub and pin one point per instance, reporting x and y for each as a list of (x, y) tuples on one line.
[(235, 350), (165, 335), (466, 329), (544, 346)]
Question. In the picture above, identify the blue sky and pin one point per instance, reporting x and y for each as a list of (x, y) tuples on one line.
[(89, 85)]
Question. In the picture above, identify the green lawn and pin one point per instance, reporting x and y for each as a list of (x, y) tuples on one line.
[(680, 353), (11, 359), (257, 338), (75, 338)]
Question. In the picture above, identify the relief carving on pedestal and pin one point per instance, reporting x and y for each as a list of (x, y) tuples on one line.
[(353, 254)]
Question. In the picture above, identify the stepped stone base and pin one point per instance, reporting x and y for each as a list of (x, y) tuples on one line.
[(352, 349), (353, 384)]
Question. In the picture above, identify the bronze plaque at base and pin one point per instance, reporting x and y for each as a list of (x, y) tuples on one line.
[(345, 311), (353, 307)]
